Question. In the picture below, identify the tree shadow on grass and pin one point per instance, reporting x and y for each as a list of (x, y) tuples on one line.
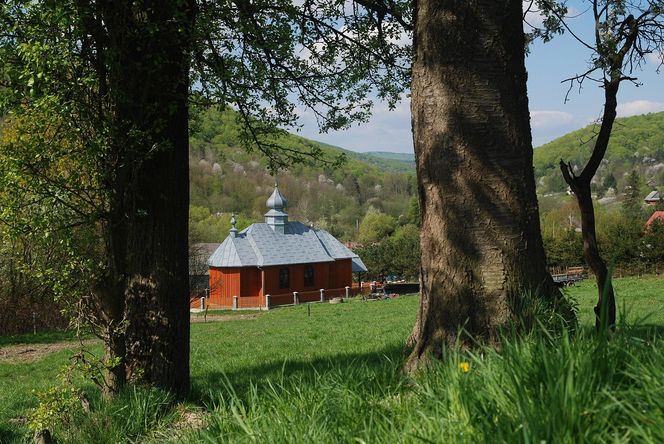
[(376, 370), (10, 435)]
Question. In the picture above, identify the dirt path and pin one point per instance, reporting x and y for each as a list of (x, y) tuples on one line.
[(32, 352)]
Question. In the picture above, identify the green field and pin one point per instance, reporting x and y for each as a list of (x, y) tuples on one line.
[(334, 376)]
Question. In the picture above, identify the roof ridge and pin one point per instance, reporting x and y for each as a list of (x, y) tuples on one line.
[(321, 241), (259, 257)]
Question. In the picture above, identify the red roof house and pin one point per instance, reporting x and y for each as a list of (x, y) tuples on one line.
[(657, 215)]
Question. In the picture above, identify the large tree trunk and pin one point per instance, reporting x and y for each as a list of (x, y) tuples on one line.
[(148, 50), (481, 241)]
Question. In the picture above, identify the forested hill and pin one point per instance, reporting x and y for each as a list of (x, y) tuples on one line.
[(402, 162), (637, 143), (225, 178)]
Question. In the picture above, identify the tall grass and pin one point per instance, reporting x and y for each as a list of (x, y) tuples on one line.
[(533, 390), (136, 415)]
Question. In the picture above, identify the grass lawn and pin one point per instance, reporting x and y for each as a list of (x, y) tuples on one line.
[(638, 300), (334, 376)]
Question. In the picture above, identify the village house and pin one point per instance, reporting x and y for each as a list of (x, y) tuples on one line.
[(653, 198), (279, 262), (656, 216)]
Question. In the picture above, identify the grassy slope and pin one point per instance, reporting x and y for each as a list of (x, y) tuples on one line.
[(334, 376)]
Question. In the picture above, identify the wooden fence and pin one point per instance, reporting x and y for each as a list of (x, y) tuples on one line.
[(275, 300)]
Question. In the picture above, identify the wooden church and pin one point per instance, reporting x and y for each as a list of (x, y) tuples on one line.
[(279, 258)]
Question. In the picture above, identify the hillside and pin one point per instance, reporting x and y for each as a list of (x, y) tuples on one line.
[(401, 162), (226, 178), (636, 143), (404, 157), (383, 160)]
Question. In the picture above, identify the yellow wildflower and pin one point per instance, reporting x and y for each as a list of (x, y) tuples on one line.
[(464, 366)]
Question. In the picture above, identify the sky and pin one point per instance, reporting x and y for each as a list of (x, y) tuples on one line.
[(551, 116)]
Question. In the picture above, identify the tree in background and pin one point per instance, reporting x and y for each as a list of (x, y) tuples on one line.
[(624, 34), (481, 243), (631, 205), (398, 254), (376, 226)]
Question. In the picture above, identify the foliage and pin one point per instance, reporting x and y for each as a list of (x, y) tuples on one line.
[(652, 250), (388, 161), (622, 238), (631, 205), (49, 200), (207, 227), (224, 178), (57, 406), (398, 254), (376, 226), (564, 249)]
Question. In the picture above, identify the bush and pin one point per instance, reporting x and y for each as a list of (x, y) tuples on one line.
[(24, 314)]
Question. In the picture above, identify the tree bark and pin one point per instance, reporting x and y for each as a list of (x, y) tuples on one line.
[(111, 307), (481, 241), (605, 298), (148, 72)]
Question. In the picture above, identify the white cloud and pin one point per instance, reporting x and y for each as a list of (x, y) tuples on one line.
[(542, 120), (656, 58), (639, 107)]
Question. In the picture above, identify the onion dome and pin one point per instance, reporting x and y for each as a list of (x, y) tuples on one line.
[(277, 201)]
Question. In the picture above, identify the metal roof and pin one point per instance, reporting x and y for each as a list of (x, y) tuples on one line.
[(654, 195), (358, 265), (260, 245)]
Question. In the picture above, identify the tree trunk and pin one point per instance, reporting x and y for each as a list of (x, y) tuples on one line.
[(481, 242), (108, 294), (606, 298), (148, 89), (580, 186)]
